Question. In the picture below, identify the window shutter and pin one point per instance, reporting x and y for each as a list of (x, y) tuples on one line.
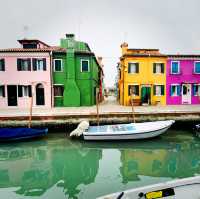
[(162, 68), (154, 67), (171, 90), (129, 67), (29, 64), (194, 89), (137, 90), (19, 91), (3, 91), (137, 67), (19, 64), (34, 62), (179, 90), (129, 93), (3, 64), (154, 90), (29, 91), (162, 90), (44, 64)]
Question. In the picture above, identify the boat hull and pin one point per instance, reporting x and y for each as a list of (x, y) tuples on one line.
[(138, 131), (179, 189), (10, 134)]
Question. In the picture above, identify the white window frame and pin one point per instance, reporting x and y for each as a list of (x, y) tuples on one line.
[(88, 65), (178, 67), (54, 69), (198, 92), (175, 89), (58, 85), (135, 68), (134, 84), (194, 67), (160, 90), (160, 68)]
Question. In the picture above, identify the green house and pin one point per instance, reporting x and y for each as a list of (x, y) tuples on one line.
[(76, 74)]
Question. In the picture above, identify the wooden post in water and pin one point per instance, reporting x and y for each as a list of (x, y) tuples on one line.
[(30, 111), (97, 105), (132, 105)]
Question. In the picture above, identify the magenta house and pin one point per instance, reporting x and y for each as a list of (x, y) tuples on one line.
[(183, 79), (24, 73)]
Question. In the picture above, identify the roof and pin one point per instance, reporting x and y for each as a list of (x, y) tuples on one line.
[(183, 56), (49, 49), (21, 41), (143, 55), (149, 49)]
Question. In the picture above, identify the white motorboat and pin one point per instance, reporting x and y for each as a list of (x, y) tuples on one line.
[(186, 188), (122, 131)]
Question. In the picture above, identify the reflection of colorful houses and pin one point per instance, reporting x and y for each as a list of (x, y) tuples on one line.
[(143, 73), (160, 163), (36, 167), (183, 79)]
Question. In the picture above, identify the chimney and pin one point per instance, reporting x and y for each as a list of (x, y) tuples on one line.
[(70, 36), (124, 48)]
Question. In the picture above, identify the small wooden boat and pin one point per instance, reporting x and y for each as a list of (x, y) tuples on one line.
[(187, 188), (9, 134), (127, 131)]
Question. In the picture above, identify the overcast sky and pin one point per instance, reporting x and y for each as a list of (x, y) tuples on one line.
[(173, 26)]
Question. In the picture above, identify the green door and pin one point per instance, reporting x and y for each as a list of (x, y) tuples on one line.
[(146, 95)]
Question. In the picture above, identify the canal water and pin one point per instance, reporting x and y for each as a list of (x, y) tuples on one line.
[(57, 167)]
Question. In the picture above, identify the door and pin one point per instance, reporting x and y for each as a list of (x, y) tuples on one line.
[(40, 95), (12, 95), (146, 95), (186, 94)]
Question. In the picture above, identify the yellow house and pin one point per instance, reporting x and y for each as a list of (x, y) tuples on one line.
[(143, 73)]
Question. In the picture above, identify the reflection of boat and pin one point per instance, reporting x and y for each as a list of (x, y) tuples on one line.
[(179, 189), (127, 131), (8, 134)]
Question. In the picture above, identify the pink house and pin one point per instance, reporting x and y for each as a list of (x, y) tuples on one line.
[(24, 73), (183, 79)]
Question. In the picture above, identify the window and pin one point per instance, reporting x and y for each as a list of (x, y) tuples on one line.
[(175, 90), (2, 91), (58, 65), (39, 64), (196, 89), (58, 90), (29, 45), (2, 65), (175, 67), (23, 64), (197, 67), (84, 65), (158, 68), (159, 90), (24, 91), (133, 67), (135, 90)]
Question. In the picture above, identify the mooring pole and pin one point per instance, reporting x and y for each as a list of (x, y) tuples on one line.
[(133, 112), (97, 105)]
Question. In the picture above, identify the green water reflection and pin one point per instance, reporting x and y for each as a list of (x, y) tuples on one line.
[(57, 167)]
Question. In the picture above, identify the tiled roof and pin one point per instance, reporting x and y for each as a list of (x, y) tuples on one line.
[(143, 55), (21, 41), (183, 56), (148, 49), (49, 49)]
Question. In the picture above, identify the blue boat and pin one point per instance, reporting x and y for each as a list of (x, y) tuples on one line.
[(9, 134)]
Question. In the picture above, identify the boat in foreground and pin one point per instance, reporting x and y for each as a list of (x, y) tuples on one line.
[(186, 188), (121, 131), (9, 134), (127, 131)]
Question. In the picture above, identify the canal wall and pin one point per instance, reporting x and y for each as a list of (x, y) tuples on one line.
[(69, 117)]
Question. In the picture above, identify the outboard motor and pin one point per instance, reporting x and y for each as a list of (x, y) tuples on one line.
[(197, 130)]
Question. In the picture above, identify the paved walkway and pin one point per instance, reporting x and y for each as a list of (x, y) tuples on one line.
[(108, 106)]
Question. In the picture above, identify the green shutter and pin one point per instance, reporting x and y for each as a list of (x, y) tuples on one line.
[(19, 91), (154, 90), (154, 67), (137, 67), (162, 90), (162, 68)]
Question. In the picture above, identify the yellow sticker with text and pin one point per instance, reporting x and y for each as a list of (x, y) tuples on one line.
[(153, 195)]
